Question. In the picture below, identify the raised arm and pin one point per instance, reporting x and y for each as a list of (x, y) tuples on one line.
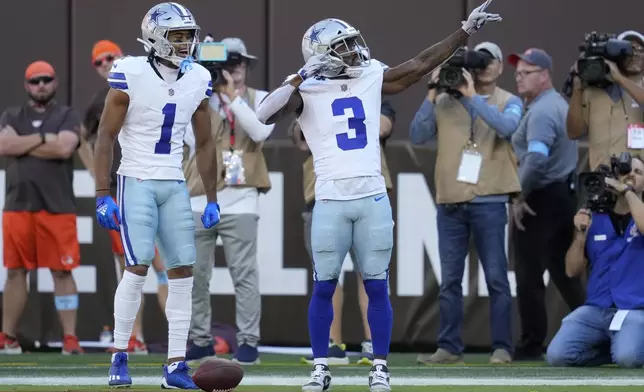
[(401, 77), (116, 104), (205, 150), (281, 102)]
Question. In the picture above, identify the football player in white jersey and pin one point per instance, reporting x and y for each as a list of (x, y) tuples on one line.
[(337, 98), (151, 102)]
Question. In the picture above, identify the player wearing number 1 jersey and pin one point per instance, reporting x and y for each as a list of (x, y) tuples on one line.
[(151, 101), (337, 98)]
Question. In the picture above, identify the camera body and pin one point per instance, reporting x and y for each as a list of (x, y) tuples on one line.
[(213, 56), (451, 77), (596, 48), (593, 187)]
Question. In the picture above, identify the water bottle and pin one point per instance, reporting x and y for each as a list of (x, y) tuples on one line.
[(106, 335)]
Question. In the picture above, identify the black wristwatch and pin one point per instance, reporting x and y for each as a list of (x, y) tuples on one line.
[(628, 188)]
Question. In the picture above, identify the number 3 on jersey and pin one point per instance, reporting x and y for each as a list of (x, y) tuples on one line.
[(163, 145), (339, 107)]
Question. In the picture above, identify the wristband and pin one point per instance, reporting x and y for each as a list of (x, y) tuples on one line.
[(628, 188)]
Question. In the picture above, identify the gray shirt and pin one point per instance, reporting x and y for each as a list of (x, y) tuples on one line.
[(541, 143)]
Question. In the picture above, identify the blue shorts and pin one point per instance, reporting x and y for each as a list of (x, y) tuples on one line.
[(365, 224), (152, 209)]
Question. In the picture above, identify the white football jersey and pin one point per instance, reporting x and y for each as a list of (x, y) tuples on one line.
[(152, 135), (341, 124)]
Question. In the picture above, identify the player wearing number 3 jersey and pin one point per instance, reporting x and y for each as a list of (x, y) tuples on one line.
[(151, 101), (337, 98)]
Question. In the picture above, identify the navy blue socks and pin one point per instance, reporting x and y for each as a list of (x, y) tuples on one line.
[(321, 316), (380, 315)]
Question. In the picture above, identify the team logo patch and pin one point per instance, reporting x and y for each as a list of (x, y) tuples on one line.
[(170, 92), (344, 88)]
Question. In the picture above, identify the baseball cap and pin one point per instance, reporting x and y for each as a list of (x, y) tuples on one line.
[(630, 34), (104, 47), (491, 48), (236, 45), (533, 56), (39, 68)]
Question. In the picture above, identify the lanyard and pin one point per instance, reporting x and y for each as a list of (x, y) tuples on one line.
[(231, 120)]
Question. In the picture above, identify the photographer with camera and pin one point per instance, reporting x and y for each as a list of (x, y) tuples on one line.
[(239, 136), (609, 245), (472, 120), (607, 100), (542, 213)]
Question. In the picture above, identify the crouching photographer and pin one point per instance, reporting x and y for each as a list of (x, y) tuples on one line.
[(606, 95), (608, 243), (473, 120), (242, 176)]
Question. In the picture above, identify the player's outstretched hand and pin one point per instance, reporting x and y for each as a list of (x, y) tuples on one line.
[(210, 215), (478, 18), (314, 66), (107, 213)]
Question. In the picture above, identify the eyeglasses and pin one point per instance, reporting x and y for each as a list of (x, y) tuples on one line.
[(523, 74), (43, 79), (108, 58)]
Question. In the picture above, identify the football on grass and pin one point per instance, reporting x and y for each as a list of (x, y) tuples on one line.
[(218, 375)]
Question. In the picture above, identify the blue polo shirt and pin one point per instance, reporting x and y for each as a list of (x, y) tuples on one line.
[(616, 265)]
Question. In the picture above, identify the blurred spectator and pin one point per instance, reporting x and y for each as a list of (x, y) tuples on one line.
[(613, 117), (609, 245), (475, 173), (239, 136), (38, 140), (543, 211), (337, 349), (104, 53)]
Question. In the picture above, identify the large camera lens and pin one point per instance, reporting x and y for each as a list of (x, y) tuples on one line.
[(451, 77)]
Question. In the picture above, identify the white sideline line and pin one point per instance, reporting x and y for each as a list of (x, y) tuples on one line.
[(346, 381)]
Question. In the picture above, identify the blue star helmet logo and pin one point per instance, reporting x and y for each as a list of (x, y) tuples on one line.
[(315, 35), (154, 17)]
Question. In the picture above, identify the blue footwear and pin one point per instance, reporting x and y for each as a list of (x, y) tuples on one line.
[(119, 373), (337, 355), (196, 352), (246, 355), (176, 376), (366, 356)]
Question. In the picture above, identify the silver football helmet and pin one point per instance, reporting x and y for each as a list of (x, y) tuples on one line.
[(347, 51), (159, 22)]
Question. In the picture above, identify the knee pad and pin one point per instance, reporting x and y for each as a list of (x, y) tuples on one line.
[(324, 288)]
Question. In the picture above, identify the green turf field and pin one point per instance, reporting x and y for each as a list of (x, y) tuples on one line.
[(283, 373)]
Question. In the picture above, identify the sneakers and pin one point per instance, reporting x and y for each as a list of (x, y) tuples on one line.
[(366, 355), (9, 345), (176, 376), (246, 355), (320, 379), (197, 354), (500, 356), (441, 356), (337, 355), (379, 379), (71, 345), (119, 376), (136, 347)]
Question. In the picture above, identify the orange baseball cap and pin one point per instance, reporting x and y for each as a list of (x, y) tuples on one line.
[(105, 47), (39, 68)]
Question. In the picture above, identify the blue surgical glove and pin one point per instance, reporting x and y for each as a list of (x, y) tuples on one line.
[(210, 215), (106, 210)]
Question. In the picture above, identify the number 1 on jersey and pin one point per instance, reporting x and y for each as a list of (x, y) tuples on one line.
[(339, 107), (163, 145)]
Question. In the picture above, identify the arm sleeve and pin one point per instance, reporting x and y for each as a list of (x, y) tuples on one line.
[(246, 116), (542, 133)]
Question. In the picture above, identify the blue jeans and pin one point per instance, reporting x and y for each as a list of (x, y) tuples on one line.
[(584, 339), (486, 221)]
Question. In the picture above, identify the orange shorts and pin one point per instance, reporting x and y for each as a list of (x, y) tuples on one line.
[(117, 243), (40, 240)]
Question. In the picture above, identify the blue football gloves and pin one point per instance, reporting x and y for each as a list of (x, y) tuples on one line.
[(106, 211), (210, 215)]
